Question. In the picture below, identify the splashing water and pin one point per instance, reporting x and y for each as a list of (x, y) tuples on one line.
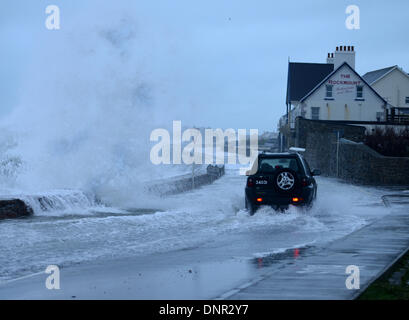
[(92, 95)]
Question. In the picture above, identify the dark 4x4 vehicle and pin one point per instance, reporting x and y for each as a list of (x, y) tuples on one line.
[(278, 180)]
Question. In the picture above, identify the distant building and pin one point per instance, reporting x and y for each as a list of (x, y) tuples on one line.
[(342, 95), (302, 79), (268, 141), (393, 85), (331, 91)]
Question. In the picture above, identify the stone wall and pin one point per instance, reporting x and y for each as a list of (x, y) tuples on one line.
[(14, 208), (320, 140), (360, 164), (185, 183), (305, 127), (181, 184), (355, 162)]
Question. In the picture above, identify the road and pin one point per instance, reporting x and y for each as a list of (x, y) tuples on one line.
[(196, 245)]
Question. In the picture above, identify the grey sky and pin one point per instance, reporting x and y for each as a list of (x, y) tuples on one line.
[(220, 63)]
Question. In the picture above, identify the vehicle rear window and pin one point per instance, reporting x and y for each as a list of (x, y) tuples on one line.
[(269, 165)]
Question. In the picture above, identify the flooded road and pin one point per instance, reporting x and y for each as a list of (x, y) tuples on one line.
[(201, 242)]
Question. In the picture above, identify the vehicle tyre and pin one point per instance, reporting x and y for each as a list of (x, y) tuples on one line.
[(253, 210), (285, 180), (251, 207)]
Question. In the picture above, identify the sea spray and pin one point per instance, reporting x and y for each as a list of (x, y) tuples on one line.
[(92, 94)]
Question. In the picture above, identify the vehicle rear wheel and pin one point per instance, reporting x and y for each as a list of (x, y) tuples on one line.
[(251, 208)]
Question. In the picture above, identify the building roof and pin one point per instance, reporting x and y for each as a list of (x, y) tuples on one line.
[(303, 77), (335, 71), (375, 75)]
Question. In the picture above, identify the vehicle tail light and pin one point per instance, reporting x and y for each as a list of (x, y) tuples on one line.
[(295, 199), (250, 182), (259, 199), (305, 182)]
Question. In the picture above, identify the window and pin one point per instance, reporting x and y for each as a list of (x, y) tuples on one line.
[(379, 116), (407, 100), (270, 165), (328, 91), (315, 113), (359, 92)]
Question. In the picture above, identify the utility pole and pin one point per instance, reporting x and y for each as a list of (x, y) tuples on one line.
[(193, 175), (337, 154)]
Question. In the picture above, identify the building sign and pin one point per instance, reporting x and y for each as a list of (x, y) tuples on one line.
[(345, 79), (344, 84)]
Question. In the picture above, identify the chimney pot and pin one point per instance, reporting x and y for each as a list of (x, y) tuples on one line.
[(349, 48), (345, 48), (329, 55), (336, 49), (352, 48)]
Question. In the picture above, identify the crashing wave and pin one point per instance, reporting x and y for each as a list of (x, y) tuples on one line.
[(62, 200)]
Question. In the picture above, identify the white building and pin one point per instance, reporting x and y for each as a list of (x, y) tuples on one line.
[(393, 85), (332, 91), (342, 95)]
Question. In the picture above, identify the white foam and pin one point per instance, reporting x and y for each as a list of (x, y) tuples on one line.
[(59, 202)]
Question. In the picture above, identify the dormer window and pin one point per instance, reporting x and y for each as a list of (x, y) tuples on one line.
[(328, 91), (359, 92)]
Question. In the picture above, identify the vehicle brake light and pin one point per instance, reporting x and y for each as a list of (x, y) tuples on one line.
[(259, 199), (296, 199), (305, 182)]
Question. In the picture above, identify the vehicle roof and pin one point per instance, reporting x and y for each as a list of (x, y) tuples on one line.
[(279, 155)]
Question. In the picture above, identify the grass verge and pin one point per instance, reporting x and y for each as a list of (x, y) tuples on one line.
[(392, 285)]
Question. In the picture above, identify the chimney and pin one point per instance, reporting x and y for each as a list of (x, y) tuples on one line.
[(330, 58), (344, 54)]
